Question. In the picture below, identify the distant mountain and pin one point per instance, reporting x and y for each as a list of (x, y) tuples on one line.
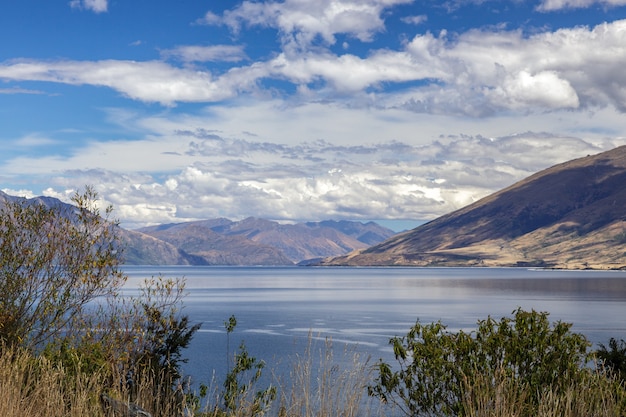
[(572, 215), (211, 248), (143, 249), (254, 241), (224, 242)]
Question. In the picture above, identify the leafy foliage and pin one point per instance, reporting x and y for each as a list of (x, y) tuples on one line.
[(161, 328), (54, 262), (436, 366), (243, 376), (152, 332), (60, 296)]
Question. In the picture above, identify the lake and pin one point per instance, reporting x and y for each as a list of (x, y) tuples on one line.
[(279, 309)]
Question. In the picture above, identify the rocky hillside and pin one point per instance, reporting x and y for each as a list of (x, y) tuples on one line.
[(572, 215)]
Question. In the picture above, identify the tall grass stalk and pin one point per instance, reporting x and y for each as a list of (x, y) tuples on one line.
[(317, 386), (322, 387), (596, 394), (34, 386), (497, 396)]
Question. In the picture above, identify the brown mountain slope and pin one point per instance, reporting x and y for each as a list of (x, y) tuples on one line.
[(142, 249), (309, 240), (211, 248), (572, 215)]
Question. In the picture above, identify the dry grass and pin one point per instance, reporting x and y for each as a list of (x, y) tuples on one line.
[(497, 397), (317, 386), (597, 395), (36, 387)]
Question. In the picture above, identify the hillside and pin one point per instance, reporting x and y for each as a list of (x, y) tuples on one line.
[(572, 215), (142, 249)]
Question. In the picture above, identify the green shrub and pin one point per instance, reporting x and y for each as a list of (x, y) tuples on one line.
[(436, 366)]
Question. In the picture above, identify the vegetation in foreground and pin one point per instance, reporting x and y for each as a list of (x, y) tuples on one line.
[(432, 383), (72, 346)]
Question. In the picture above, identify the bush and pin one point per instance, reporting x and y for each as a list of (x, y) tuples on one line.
[(437, 366), (60, 286), (53, 262)]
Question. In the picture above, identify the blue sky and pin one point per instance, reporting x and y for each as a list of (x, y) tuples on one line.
[(299, 110)]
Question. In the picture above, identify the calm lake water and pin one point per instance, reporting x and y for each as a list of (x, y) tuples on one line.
[(361, 308)]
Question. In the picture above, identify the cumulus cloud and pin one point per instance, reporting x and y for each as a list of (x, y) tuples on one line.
[(494, 71), (301, 23), (482, 72), (97, 6), (544, 89)]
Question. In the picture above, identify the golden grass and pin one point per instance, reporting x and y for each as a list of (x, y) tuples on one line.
[(317, 386), (597, 395), (32, 386)]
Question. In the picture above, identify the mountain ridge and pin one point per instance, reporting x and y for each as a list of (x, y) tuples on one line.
[(255, 241)]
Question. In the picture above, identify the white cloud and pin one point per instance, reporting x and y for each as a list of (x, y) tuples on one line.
[(146, 81), (33, 140), (479, 73), (18, 90), (544, 89), (301, 22), (356, 182), (19, 193), (552, 5), (97, 6), (483, 73)]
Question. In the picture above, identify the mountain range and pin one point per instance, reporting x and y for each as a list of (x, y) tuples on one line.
[(255, 241), (251, 241), (572, 215)]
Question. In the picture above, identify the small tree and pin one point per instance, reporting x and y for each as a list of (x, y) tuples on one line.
[(54, 260), (154, 335), (241, 379), (437, 366)]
